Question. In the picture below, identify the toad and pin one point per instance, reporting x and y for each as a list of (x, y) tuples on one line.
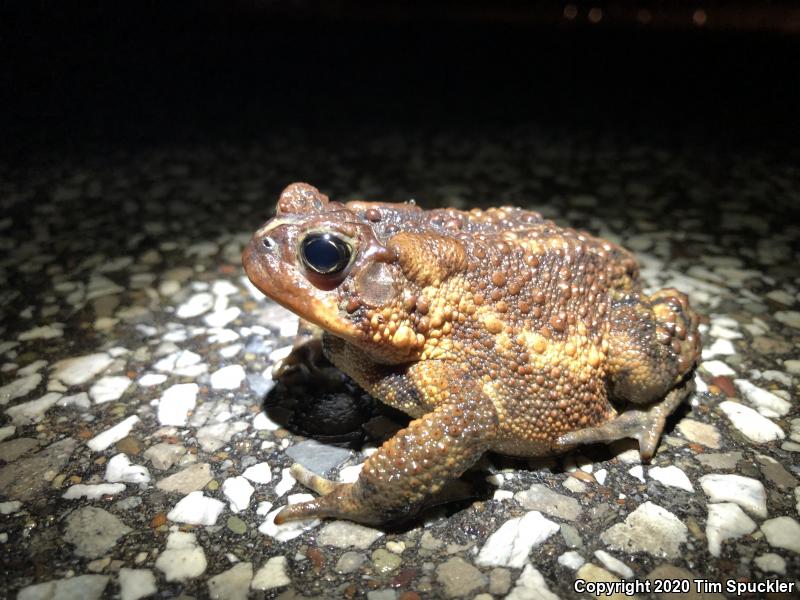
[(495, 330)]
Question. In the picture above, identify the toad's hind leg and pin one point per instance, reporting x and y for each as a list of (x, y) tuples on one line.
[(409, 468), (653, 344), (645, 426)]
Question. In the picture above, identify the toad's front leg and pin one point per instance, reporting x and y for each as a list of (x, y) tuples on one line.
[(411, 466)]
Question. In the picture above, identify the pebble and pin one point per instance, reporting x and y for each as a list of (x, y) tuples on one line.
[(613, 564), (726, 521), (571, 560), (110, 388), (459, 578), (385, 562), (196, 509), (671, 476), (151, 379), (190, 479), (176, 402), (540, 497), (531, 585), (163, 455), (45, 332), (788, 317), (195, 306), (78, 370), (771, 563), (719, 347), (182, 362), (590, 572), (717, 368), (318, 457), (93, 531), (344, 534), (7, 508), (767, 403), (637, 472), (32, 411), (792, 365), (81, 587), (233, 584), (746, 492), (26, 478), (753, 425), (258, 473), (120, 469), (80, 400), (349, 562), (700, 433), (238, 491), (286, 483), (650, 528), (222, 318), (719, 460), (112, 436), (93, 492), (782, 532), (272, 574), (19, 388), (183, 558), (136, 583), (228, 378), (13, 449), (261, 422), (510, 545)]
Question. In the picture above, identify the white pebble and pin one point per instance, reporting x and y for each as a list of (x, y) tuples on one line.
[(136, 583), (228, 378), (613, 564), (195, 306), (151, 379), (183, 557), (258, 473), (510, 545), (92, 492), (671, 476), (176, 402), (120, 469), (717, 368), (753, 425), (571, 560), (110, 388), (767, 403), (238, 491), (32, 411), (19, 387), (271, 575), (113, 435), (196, 509), (782, 532), (726, 521), (747, 492), (78, 370)]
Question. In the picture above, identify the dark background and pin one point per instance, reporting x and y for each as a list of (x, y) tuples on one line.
[(90, 77)]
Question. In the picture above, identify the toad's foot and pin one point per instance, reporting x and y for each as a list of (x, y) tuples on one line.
[(407, 470), (646, 426)]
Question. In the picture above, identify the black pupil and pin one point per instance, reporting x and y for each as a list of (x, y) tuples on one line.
[(325, 253)]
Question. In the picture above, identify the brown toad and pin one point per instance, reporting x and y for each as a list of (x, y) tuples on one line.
[(494, 329)]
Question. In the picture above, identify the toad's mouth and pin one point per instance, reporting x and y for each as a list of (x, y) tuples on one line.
[(283, 282)]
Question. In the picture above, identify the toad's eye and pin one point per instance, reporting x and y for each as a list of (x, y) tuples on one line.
[(324, 253)]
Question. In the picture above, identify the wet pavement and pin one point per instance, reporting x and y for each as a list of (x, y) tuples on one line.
[(145, 447)]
